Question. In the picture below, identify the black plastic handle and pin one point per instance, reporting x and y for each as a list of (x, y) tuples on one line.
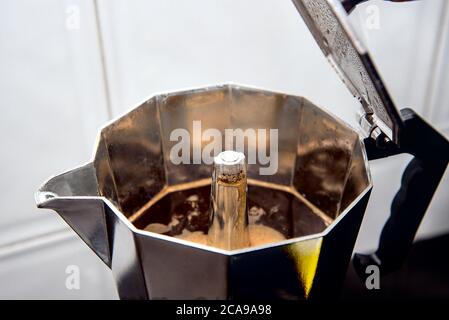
[(419, 183), (350, 5)]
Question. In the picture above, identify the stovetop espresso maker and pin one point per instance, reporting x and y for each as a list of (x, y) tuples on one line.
[(316, 198)]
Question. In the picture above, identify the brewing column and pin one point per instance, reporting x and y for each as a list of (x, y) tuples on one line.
[(228, 218)]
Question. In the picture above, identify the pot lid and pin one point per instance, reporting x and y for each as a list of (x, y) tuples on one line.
[(328, 22)]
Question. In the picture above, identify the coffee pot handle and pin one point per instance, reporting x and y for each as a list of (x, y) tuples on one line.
[(419, 183), (350, 5)]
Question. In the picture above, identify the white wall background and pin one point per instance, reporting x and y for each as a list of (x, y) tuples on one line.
[(60, 81)]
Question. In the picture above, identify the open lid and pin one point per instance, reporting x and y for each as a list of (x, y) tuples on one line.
[(328, 22)]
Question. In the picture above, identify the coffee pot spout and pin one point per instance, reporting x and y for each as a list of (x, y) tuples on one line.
[(74, 196)]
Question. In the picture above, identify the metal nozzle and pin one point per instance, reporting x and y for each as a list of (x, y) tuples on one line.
[(229, 221)]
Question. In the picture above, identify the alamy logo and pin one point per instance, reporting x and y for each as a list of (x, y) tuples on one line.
[(72, 21), (373, 279), (72, 282), (373, 17), (259, 141)]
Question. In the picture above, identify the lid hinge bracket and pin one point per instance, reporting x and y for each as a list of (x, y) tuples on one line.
[(369, 127)]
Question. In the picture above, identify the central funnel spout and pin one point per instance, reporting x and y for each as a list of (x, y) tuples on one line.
[(229, 220)]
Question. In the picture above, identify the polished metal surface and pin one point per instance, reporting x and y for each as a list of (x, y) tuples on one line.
[(228, 213), (319, 191), (328, 23)]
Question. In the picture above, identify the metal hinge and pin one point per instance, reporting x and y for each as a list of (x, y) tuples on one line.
[(369, 127)]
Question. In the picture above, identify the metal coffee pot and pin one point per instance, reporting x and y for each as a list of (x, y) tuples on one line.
[(322, 171)]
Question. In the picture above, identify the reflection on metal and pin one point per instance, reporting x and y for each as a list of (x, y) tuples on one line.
[(329, 24), (229, 220), (306, 254), (316, 199)]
